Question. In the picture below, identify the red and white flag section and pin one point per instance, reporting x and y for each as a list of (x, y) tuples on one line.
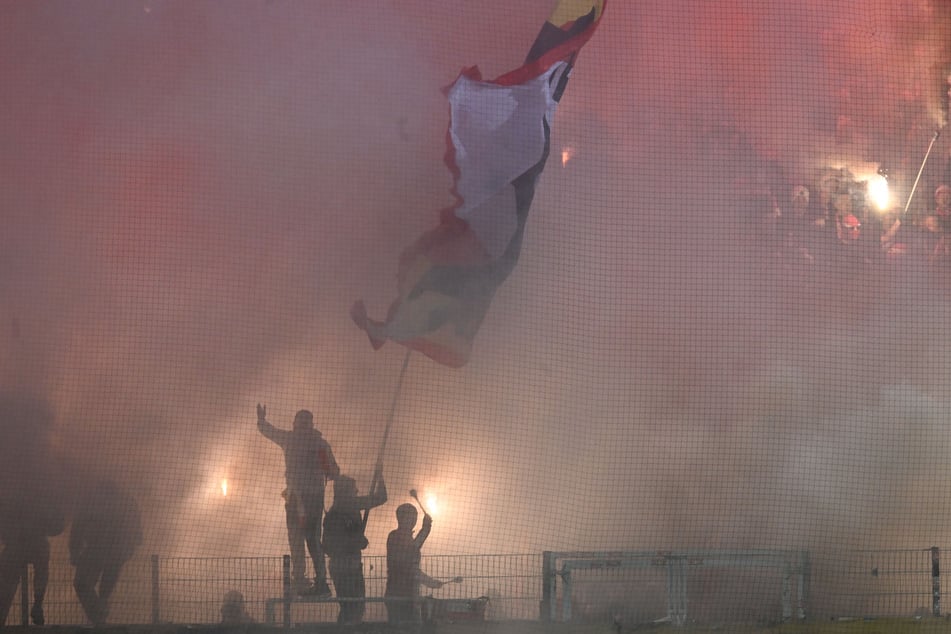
[(498, 142)]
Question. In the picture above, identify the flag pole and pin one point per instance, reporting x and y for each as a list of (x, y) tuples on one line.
[(920, 170), (378, 470)]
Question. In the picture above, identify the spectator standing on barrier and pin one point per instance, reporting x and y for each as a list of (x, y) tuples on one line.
[(106, 531), (309, 462), (344, 541), (26, 524), (403, 574)]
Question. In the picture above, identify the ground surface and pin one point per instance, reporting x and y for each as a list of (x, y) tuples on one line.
[(874, 626)]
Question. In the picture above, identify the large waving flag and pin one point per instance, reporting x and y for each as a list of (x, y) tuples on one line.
[(498, 142)]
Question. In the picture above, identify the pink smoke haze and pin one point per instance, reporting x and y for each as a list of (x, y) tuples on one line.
[(193, 194)]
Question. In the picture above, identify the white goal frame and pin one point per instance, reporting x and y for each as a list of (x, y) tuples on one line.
[(793, 565)]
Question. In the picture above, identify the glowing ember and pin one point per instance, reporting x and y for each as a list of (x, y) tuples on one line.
[(566, 154)]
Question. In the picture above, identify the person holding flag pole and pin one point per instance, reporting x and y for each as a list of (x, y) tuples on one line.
[(497, 147), (344, 540)]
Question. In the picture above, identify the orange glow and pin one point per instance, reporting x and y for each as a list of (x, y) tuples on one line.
[(566, 154)]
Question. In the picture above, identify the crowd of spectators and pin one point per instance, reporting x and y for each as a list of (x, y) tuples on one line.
[(836, 223)]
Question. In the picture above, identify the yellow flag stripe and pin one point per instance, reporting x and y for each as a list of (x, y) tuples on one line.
[(570, 10)]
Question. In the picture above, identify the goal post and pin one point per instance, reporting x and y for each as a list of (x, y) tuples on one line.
[(559, 570)]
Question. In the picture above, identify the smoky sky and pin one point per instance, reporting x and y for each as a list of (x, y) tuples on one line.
[(194, 193)]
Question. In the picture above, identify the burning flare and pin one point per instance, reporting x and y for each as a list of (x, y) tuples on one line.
[(878, 192), (432, 504), (567, 153)]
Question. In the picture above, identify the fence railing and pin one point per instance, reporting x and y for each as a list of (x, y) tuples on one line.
[(877, 583), (501, 587), (638, 584), (190, 590), (702, 586)]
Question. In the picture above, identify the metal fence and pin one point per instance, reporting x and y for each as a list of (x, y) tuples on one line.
[(711, 586), (191, 590), (509, 584), (877, 583), (186, 590)]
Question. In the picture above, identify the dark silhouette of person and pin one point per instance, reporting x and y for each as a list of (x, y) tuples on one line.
[(309, 462), (403, 574), (26, 524), (106, 531), (344, 541), (233, 611)]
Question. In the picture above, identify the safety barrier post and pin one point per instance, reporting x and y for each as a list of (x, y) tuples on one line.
[(935, 581), (288, 595), (547, 606), (805, 579), (156, 612), (677, 589), (24, 596), (566, 594)]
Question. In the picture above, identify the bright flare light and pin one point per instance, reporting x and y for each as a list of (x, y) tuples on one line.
[(224, 487), (432, 504), (878, 192)]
